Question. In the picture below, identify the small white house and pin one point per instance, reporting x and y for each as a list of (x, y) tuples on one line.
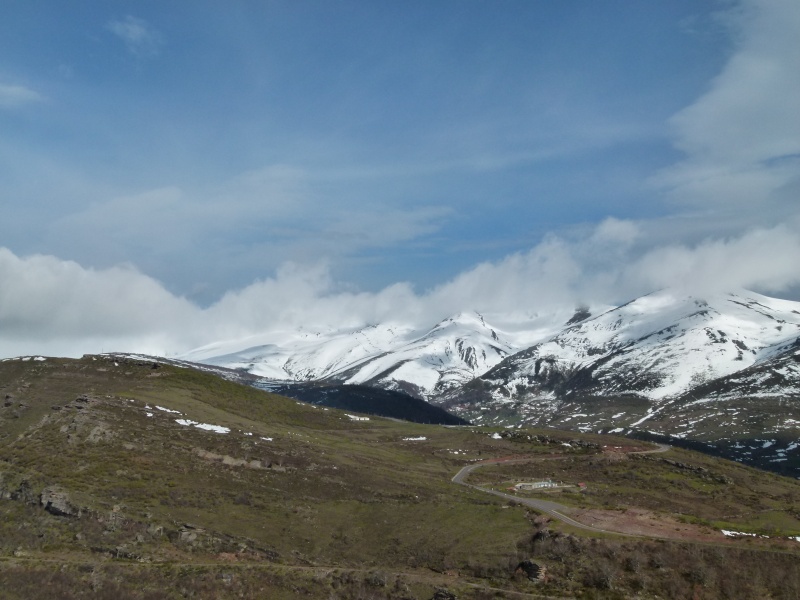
[(535, 485)]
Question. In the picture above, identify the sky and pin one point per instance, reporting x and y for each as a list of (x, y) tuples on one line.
[(174, 174)]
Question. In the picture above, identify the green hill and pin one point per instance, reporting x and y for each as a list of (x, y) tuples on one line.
[(130, 479)]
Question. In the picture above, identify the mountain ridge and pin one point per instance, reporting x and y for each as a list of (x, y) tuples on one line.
[(656, 363)]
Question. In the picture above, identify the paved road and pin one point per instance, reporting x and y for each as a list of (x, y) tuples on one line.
[(554, 509), (660, 448)]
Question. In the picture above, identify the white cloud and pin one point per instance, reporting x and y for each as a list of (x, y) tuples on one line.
[(765, 259), (307, 298), (141, 39), (741, 139), (545, 276), (50, 306), (50, 303), (616, 232), (13, 96), (606, 267)]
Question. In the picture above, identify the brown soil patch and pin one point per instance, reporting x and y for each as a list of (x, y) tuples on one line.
[(638, 521)]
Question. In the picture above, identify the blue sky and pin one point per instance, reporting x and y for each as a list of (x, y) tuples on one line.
[(200, 151)]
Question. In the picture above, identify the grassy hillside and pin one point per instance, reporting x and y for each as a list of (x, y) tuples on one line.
[(131, 479)]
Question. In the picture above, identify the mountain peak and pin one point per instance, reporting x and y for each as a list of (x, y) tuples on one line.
[(654, 346)]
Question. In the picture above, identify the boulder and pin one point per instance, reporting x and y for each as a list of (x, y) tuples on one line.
[(57, 502)]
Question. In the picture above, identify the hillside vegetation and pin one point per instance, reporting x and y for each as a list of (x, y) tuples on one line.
[(128, 478)]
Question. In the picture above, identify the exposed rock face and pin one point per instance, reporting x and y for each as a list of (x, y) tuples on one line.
[(532, 570), (100, 433), (155, 531), (57, 502), (188, 536)]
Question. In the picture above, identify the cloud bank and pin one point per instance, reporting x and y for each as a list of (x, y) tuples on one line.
[(54, 307)]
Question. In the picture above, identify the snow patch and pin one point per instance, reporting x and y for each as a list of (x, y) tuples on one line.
[(204, 426), (356, 417), (728, 533)]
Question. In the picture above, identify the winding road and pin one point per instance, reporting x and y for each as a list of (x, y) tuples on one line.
[(554, 509)]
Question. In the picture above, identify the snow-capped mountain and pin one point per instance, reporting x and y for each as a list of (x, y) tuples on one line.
[(752, 415), (721, 369), (656, 346), (453, 352), (395, 356), (301, 355)]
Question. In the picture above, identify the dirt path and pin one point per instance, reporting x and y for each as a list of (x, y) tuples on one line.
[(554, 509), (632, 522), (654, 528)]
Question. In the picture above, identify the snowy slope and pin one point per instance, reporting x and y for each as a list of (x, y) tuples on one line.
[(450, 354), (723, 371), (656, 346), (422, 362), (302, 355)]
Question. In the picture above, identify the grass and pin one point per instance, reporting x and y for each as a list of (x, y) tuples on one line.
[(78, 580), (710, 490), (325, 481), (347, 504)]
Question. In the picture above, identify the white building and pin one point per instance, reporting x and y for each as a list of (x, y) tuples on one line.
[(535, 485)]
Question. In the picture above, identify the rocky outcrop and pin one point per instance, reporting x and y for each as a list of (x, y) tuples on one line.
[(701, 472), (230, 461), (57, 502), (531, 570)]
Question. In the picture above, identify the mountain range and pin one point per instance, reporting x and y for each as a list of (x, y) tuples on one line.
[(722, 370)]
